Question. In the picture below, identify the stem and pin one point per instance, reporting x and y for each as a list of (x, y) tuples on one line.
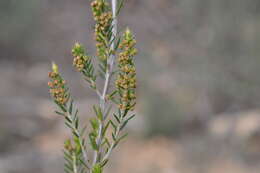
[(75, 170), (107, 81)]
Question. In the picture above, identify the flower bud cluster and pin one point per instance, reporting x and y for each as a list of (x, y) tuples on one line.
[(57, 87), (103, 18), (126, 79), (80, 58)]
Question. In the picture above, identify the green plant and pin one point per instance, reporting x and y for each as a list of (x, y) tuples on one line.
[(110, 46)]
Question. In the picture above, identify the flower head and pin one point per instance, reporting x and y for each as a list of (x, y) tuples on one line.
[(58, 89), (103, 18), (126, 79), (80, 57)]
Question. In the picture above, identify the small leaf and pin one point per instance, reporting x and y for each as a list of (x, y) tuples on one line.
[(114, 136), (126, 121), (121, 3), (77, 123), (97, 168), (60, 106), (59, 113), (105, 129), (117, 43), (122, 137), (93, 143), (67, 118), (94, 123), (83, 163), (117, 118), (71, 106), (104, 163), (113, 93), (112, 123)]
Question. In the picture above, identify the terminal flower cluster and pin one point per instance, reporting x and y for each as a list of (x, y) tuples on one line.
[(126, 79)]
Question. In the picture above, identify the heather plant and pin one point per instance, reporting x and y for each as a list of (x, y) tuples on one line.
[(112, 48)]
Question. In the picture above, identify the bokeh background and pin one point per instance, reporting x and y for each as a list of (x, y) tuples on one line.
[(198, 76)]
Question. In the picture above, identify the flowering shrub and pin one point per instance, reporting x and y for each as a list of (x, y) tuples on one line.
[(110, 47)]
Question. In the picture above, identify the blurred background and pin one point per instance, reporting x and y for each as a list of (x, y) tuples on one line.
[(198, 75)]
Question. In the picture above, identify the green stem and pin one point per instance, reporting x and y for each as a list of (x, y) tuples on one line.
[(106, 84)]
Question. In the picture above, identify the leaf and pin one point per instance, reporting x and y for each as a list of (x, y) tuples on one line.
[(68, 168), (60, 106), (75, 134), (77, 122), (100, 115), (117, 43), (94, 123), (117, 118), (131, 117), (114, 101), (71, 106), (76, 114), (121, 3), (126, 121), (93, 143), (83, 163), (113, 93), (122, 137), (68, 125), (95, 109), (104, 163), (112, 123), (83, 130), (105, 129), (67, 118), (106, 141), (59, 113), (97, 168), (114, 136)]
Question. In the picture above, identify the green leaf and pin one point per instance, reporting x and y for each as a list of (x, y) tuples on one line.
[(68, 168), (131, 117), (100, 115), (113, 93), (106, 141), (77, 122), (83, 163), (68, 125), (59, 113), (105, 129), (117, 43), (97, 168), (104, 163), (92, 138), (67, 118), (76, 115), (117, 118), (83, 130), (122, 137), (60, 106), (113, 124), (94, 123), (114, 136), (71, 106), (121, 3), (126, 121)]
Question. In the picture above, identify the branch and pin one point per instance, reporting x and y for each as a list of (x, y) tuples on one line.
[(107, 79)]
